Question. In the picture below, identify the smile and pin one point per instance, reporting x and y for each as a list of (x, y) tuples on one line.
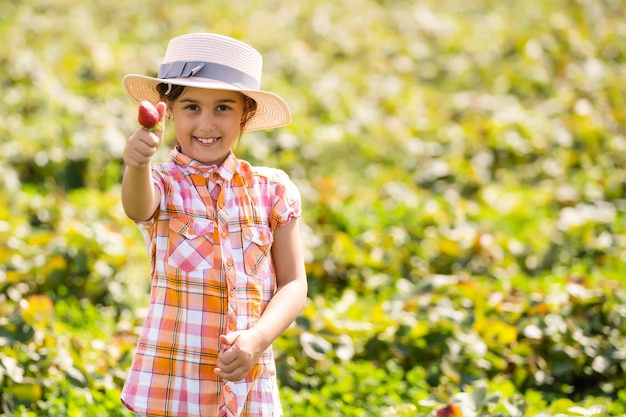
[(206, 141)]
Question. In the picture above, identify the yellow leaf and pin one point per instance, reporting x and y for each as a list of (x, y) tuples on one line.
[(37, 310), (27, 391)]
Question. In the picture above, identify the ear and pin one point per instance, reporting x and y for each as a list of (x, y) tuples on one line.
[(249, 109)]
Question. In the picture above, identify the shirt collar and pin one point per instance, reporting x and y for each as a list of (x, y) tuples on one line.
[(190, 166)]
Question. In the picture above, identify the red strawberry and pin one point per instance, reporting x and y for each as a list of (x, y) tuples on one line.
[(148, 116)]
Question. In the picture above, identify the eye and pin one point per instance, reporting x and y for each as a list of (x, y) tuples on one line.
[(223, 107), (192, 107)]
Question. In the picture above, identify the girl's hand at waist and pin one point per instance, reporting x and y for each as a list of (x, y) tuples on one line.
[(241, 352)]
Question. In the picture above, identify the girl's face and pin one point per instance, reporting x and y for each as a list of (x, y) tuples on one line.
[(207, 123)]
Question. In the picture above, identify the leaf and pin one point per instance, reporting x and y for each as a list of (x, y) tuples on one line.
[(37, 310), (479, 396), (12, 369), (28, 391), (315, 346), (595, 410), (345, 350), (450, 410)]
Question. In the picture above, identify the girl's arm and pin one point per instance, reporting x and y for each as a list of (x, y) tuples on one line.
[(288, 300), (140, 198), (291, 285)]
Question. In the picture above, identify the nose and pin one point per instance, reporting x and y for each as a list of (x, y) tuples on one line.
[(207, 122)]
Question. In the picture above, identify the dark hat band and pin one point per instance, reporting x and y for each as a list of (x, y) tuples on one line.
[(211, 70)]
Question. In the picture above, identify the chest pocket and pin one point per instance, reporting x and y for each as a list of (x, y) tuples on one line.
[(190, 244), (257, 243)]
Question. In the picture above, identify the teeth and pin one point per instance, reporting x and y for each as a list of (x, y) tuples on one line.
[(206, 141)]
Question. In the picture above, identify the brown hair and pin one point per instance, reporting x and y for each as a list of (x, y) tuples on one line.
[(171, 92)]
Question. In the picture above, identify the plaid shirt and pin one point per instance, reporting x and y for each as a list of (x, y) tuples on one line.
[(211, 268)]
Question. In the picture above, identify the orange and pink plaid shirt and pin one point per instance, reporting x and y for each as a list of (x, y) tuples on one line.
[(212, 273)]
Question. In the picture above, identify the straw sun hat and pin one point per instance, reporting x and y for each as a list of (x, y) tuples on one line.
[(207, 60)]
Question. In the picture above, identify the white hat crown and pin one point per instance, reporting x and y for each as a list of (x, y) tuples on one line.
[(217, 51)]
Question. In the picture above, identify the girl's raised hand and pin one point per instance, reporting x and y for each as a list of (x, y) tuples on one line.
[(143, 143)]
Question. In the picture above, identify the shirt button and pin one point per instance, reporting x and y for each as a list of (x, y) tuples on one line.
[(229, 262), (224, 234), (231, 325), (228, 389)]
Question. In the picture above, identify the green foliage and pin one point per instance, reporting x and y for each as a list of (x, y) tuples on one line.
[(446, 335), (61, 358), (461, 164)]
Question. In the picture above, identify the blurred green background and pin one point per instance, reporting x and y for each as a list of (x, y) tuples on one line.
[(462, 165)]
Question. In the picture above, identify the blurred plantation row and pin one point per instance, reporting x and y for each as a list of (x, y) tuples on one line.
[(462, 165)]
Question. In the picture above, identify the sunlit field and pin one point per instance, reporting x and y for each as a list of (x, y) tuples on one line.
[(462, 165)]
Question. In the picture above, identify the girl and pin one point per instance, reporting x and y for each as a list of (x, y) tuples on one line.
[(227, 270)]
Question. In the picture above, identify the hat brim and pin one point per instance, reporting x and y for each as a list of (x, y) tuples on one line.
[(272, 111)]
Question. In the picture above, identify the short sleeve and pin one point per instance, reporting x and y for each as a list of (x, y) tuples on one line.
[(287, 201)]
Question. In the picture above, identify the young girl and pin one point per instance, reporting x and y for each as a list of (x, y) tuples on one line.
[(227, 270)]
